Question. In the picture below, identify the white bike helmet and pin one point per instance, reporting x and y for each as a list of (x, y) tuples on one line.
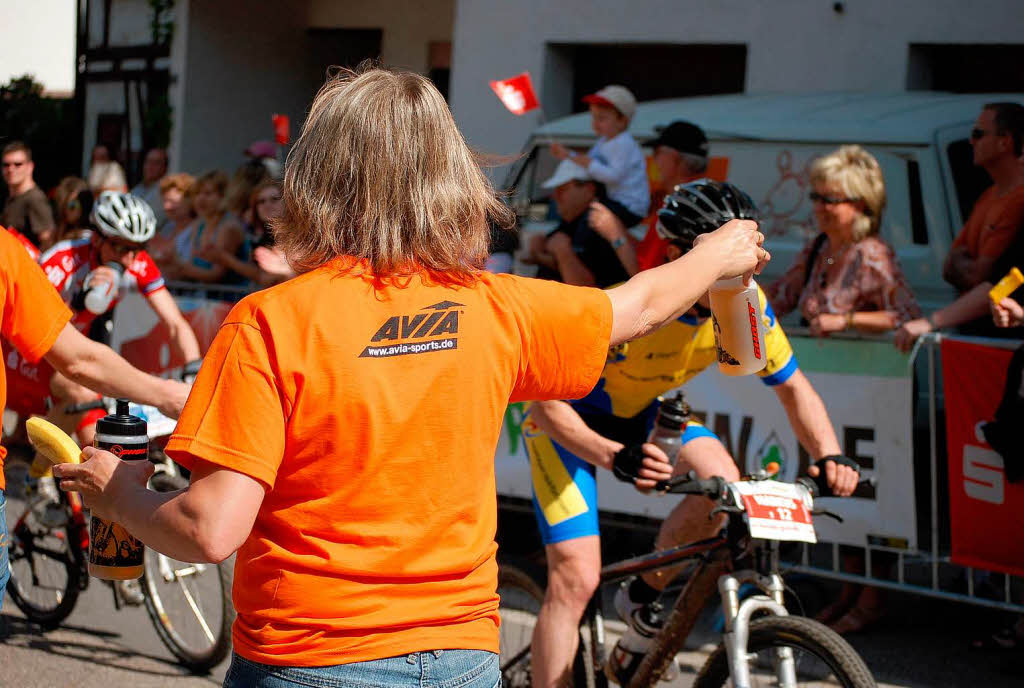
[(123, 216)]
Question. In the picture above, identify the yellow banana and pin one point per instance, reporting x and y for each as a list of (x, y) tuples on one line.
[(51, 443)]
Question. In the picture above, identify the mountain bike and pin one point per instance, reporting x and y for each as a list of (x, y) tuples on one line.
[(189, 604), (762, 643)]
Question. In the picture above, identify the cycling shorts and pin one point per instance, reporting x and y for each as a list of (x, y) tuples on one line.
[(565, 486)]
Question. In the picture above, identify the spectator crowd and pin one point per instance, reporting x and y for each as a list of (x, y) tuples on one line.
[(211, 228)]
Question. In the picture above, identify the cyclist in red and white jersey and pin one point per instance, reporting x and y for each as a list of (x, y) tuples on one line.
[(113, 259)]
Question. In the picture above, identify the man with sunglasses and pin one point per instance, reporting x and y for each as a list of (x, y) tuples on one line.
[(997, 216), (26, 209), (110, 260)]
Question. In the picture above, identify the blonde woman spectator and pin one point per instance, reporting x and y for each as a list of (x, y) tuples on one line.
[(105, 174), (214, 226), (171, 243), (73, 203), (847, 278)]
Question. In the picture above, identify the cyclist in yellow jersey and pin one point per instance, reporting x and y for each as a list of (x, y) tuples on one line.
[(607, 428)]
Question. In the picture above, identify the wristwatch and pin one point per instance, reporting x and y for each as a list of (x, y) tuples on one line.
[(618, 243)]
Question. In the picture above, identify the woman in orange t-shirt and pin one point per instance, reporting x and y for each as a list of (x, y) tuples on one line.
[(341, 432)]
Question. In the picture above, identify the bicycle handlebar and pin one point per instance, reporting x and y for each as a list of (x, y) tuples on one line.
[(714, 487)]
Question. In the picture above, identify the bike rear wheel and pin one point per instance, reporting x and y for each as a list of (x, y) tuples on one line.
[(45, 577), (821, 656), (521, 598), (189, 604)]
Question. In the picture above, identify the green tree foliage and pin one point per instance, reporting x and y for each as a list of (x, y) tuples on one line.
[(43, 123)]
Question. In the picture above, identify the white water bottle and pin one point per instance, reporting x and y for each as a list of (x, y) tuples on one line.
[(739, 327), (98, 297)]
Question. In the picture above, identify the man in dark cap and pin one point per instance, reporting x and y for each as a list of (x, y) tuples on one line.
[(681, 155)]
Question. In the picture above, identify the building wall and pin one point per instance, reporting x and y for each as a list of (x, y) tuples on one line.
[(244, 61), (409, 25), (793, 45)]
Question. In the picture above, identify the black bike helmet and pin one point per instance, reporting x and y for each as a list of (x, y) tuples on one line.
[(700, 207)]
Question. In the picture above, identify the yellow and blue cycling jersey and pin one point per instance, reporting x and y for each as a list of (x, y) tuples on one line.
[(623, 405)]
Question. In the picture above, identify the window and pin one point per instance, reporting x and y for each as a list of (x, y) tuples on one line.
[(650, 70), (966, 68)]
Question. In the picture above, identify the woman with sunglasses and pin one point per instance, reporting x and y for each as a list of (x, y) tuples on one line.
[(846, 278), (264, 208), (73, 201), (113, 259)]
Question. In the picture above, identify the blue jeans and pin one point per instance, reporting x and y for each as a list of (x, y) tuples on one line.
[(5, 541), (435, 669)]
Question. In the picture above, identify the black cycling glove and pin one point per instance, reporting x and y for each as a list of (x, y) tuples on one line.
[(627, 463), (822, 479)]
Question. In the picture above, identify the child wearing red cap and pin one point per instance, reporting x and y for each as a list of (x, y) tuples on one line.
[(616, 160)]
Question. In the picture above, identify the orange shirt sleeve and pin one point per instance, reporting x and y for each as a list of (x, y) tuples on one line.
[(33, 312), (1003, 228), (235, 414), (565, 335)]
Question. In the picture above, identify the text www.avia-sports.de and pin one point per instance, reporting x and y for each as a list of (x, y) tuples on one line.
[(419, 348)]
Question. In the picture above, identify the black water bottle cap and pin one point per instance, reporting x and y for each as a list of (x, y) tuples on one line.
[(121, 422), (674, 412)]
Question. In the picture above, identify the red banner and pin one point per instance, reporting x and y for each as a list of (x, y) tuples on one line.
[(517, 93), (281, 129), (984, 508)]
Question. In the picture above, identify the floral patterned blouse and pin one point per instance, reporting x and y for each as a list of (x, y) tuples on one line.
[(865, 276)]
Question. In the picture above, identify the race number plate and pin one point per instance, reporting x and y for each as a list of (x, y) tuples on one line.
[(776, 511)]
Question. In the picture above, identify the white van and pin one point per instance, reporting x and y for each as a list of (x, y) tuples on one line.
[(767, 142)]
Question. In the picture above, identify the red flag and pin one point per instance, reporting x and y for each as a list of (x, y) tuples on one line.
[(281, 126), (517, 93)]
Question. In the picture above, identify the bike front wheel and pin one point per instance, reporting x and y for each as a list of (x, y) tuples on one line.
[(189, 604), (46, 577), (820, 657)]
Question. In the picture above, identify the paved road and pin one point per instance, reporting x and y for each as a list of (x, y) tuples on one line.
[(920, 645)]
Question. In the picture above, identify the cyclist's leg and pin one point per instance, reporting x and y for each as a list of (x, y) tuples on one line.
[(705, 454), (565, 504)]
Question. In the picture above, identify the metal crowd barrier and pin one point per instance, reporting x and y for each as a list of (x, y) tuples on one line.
[(926, 570), (214, 292)]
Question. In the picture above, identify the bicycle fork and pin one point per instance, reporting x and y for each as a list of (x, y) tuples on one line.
[(737, 624)]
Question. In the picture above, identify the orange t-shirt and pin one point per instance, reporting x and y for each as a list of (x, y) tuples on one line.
[(33, 312), (993, 223), (371, 416)]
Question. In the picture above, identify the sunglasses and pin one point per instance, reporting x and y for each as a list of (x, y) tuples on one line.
[(123, 249), (829, 200)]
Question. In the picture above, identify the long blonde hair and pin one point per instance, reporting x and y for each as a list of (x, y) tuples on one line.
[(859, 175), (381, 173)]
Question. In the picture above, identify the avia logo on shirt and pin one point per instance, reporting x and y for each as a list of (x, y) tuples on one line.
[(414, 334), (752, 314)]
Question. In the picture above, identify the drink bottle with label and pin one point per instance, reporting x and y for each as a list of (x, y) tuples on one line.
[(667, 433), (739, 327), (114, 553)]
